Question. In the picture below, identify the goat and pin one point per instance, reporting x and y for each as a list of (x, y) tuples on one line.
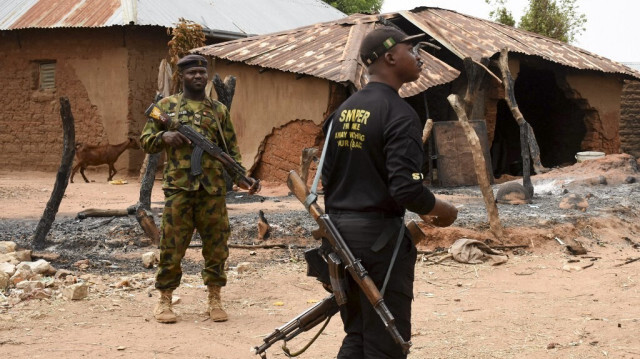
[(95, 155)]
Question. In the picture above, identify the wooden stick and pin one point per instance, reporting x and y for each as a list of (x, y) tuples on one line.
[(510, 96), (62, 178), (144, 216), (426, 132), (480, 167), (627, 262), (511, 247), (96, 212), (247, 246), (530, 138)]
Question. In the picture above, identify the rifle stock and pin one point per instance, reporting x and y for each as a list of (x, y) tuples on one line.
[(202, 143), (353, 265)]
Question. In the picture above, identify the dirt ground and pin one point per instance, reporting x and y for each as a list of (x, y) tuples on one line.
[(543, 303)]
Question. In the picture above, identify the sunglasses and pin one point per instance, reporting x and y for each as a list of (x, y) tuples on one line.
[(422, 45)]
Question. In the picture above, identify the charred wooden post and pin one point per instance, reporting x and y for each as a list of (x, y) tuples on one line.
[(475, 77), (145, 218), (480, 167), (225, 90), (528, 144), (97, 212), (62, 178)]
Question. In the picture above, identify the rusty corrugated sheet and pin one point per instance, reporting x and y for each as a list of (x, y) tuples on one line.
[(329, 50), (468, 36), (240, 17), (326, 50), (67, 13)]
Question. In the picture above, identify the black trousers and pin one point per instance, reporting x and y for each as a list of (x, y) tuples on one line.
[(366, 336)]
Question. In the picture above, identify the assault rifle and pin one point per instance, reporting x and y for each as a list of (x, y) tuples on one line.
[(308, 319), (330, 233), (202, 144)]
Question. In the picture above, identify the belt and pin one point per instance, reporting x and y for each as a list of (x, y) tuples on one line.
[(367, 215)]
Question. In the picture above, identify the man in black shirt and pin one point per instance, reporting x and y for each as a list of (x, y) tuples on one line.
[(371, 174)]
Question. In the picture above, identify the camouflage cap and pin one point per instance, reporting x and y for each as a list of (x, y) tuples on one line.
[(191, 60)]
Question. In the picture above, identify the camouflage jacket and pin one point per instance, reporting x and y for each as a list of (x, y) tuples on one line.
[(177, 170)]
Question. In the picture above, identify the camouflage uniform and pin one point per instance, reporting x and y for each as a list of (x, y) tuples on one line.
[(193, 201)]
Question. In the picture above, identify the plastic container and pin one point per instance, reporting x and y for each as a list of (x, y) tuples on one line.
[(588, 155)]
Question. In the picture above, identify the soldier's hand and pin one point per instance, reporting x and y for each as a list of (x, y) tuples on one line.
[(175, 139), (443, 214), (253, 187)]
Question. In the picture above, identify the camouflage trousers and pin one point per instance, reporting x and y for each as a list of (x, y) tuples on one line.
[(185, 211)]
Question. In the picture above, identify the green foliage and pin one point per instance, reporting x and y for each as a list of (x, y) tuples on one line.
[(500, 14), (186, 35), (557, 19), (353, 6)]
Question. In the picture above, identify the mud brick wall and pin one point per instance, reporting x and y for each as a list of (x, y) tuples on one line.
[(108, 74), (630, 118), (147, 46), (282, 149)]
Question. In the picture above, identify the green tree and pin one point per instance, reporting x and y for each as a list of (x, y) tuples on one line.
[(353, 6), (500, 13), (557, 19)]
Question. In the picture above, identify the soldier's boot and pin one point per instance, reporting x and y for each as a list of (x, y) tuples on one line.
[(163, 311), (216, 312)]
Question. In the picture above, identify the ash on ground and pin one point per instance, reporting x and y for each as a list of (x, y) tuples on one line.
[(608, 186)]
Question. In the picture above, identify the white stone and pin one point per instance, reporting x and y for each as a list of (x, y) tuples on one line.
[(41, 266), (30, 285), (23, 272), (7, 268), (7, 247), (75, 291), (23, 255), (9, 258), (149, 259)]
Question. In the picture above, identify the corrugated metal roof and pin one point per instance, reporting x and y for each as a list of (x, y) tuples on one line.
[(633, 65), (236, 16), (468, 36), (326, 50), (329, 50)]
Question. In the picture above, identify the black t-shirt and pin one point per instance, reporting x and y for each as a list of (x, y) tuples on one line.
[(374, 156)]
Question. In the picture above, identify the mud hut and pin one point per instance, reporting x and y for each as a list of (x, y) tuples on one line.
[(290, 81), (104, 55)]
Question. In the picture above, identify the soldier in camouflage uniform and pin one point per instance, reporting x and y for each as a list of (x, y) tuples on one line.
[(192, 201)]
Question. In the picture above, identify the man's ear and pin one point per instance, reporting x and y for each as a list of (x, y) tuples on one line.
[(389, 58)]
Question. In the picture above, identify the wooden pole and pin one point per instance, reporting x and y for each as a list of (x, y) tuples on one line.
[(426, 131), (528, 144), (62, 178), (479, 166)]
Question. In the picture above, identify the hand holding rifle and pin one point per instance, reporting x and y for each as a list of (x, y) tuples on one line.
[(178, 134)]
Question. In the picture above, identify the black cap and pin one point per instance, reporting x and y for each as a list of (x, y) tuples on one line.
[(381, 40), (191, 61)]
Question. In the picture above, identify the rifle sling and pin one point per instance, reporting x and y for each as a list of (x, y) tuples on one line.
[(393, 257), (288, 353)]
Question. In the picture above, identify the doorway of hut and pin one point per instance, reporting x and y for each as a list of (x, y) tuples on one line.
[(557, 121)]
